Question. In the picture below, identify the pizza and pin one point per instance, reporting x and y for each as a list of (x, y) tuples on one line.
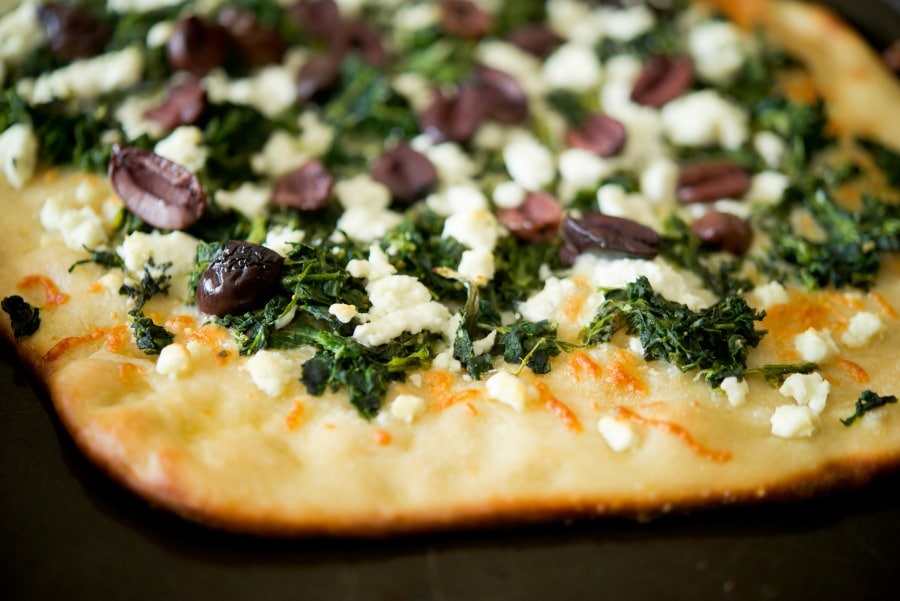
[(371, 267)]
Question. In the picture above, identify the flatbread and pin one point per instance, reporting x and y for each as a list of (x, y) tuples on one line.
[(202, 439)]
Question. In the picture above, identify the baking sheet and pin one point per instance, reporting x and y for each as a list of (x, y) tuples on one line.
[(67, 531)]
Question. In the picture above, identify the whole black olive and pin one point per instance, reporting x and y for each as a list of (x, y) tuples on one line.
[(239, 279)]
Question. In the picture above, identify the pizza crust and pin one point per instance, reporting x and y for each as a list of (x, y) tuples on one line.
[(212, 446)]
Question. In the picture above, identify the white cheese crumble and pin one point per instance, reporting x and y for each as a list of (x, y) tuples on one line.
[(768, 295), (770, 147), (810, 390), (529, 163), (515, 62), (175, 248), (21, 32), (131, 114), (658, 180), (452, 164), (284, 152), (282, 239), (174, 360), (461, 198), (614, 201), (792, 421), (185, 147), (508, 195), (573, 67), (477, 266), (270, 90), (18, 154), (249, 199), (767, 187), (717, 49), (815, 345), (705, 118), (735, 390), (407, 407), (138, 6), (582, 169), (628, 23), (86, 78), (508, 389), (366, 216), (343, 312), (272, 371), (618, 433), (478, 229), (400, 303), (862, 328)]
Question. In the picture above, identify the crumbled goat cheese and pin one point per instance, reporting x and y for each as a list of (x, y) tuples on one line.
[(815, 345), (582, 169), (458, 199), (282, 239), (249, 199), (614, 201), (735, 390), (185, 147), (86, 78), (366, 215), (573, 67), (270, 90), (174, 248), (507, 388), (508, 195), (717, 48), (705, 118), (131, 114), (862, 327), (21, 32), (618, 433), (810, 390), (770, 147), (628, 23), (18, 154), (658, 180), (767, 187), (529, 163), (272, 371), (768, 295), (174, 360), (477, 229), (477, 266), (138, 6), (451, 162), (515, 62), (407, 407), (792, 421), (343, 312)]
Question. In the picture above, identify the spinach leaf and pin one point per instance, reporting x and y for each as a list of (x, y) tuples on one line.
[(24, 319), (868, 401), (150, 337)]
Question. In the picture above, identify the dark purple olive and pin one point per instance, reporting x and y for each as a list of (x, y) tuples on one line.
[(364, 40), (709, 182), (504, 99), (257, 45), (241, 278), (454, 118), (537, 39), (724, 231), (307, 188), (162, 193), (72, 32), (319, 19), (197, 46), (185, 104), (464, 19), (600, 134), (662, 79), (408, 174), (596, 232), (535, 220)]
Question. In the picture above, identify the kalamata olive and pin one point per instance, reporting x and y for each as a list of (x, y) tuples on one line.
[(464, 19), (241, 278), (320, 19), (600, 134), (537, 39), (724, 231), (504, 99), (162, 193), (307, 188), (453, 118), (662, 79), (596, 232), (318, 74), (535, 220), (709, 182), (72, 32), (196, 46), (185, 104), (408, 174), (366, 41), (257, 45)]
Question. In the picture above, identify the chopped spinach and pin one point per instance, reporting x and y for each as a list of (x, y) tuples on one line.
[(801, 125), (104, 258), (518, 270), (436, 57), (888, 160), (715, 340), (150, 337), (868, 401), (24, 319), (776, 373)]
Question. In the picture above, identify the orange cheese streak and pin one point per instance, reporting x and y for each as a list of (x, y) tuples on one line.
[(54, 297), (854, 370), (128, 372), (292, 419), (116, 338), (382, 437), (558, 408), (438, 383), (66, 344), (883, 304), (620, 374), (581, 363), (676, 431)]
